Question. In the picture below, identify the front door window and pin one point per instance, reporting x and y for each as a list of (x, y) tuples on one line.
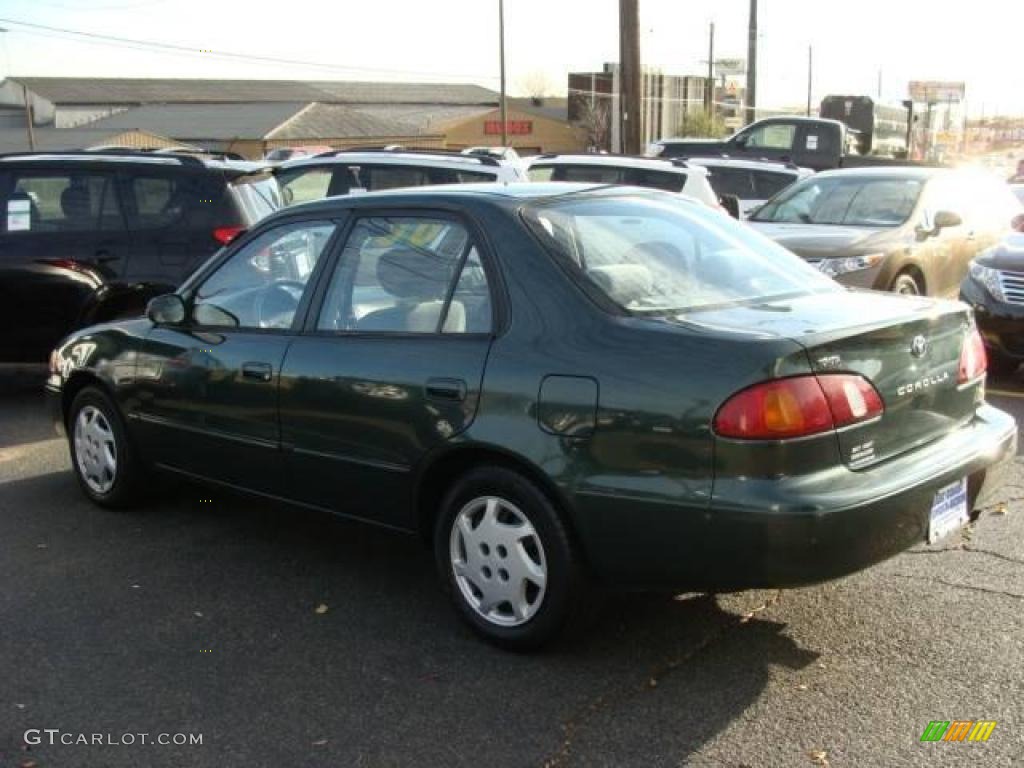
[(261, 285)]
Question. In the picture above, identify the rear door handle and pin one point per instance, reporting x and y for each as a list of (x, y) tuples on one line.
[(257, 371), (446, 389)]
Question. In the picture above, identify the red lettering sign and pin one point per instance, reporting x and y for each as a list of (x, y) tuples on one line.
[(514, 127)]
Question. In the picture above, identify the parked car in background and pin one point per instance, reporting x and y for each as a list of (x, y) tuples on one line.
[(668, 175), (549, 383), (908, 230), (751, 182), (87, 237), (994, 287), (356, 171), (283, 154)]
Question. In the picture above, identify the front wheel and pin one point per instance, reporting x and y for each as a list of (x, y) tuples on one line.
[(506, 558), (103, 460), (906, 284)]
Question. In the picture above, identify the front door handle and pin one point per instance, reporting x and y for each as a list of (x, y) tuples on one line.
[(453, 390), (257, 371)]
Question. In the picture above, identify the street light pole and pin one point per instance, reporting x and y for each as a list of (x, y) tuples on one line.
[(711, 72), (501, 55), (810, 76), (751, 95)]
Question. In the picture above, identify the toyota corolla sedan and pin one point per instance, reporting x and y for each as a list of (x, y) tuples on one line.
[(555, 386)]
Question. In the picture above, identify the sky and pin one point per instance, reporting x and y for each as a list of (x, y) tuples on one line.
[(456, 41)]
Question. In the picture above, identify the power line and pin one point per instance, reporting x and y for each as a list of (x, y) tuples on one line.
[(229, 55)]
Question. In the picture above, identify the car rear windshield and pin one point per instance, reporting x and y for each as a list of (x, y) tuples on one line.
[(257, 195), (848, 200), (661, 255)]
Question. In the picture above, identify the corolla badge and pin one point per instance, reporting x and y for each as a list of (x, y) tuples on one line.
[(914, 387), (919, 346)]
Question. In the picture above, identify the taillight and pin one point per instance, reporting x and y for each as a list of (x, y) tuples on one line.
[(973, 359), (225, 235), (797, 407)]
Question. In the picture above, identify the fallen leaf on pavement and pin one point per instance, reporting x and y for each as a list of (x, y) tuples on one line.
[(1001, 509), (801, 687), (819, 756), (321, 609), (319, 742)]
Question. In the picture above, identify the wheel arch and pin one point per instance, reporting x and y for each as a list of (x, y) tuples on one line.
[(75, 383), (441, 470)]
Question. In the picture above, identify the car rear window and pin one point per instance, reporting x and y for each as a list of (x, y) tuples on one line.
[(731, 181), (258, 196), (659, 255)]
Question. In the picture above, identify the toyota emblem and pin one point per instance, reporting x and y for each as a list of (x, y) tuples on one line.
[(919, 346)]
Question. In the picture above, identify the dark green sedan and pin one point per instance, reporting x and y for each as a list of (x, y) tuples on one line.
[(556, 386)]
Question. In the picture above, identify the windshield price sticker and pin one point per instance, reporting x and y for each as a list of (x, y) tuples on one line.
[(19, 217)]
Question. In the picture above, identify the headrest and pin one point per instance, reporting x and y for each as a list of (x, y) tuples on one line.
[(414, 275), (75, 202), (623, 282)]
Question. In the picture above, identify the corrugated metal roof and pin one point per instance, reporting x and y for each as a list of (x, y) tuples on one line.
[(91, 90), (200, 121), (336, 121)]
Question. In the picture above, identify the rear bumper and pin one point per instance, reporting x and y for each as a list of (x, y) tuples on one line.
[(762, 532)]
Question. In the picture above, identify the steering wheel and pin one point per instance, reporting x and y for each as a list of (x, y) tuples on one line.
[(277, 302)]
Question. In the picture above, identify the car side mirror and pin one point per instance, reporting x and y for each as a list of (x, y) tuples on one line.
[(168, 309), (741, 141), (945, 219)]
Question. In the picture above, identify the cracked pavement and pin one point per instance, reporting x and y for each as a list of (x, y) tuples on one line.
[(201, 616)]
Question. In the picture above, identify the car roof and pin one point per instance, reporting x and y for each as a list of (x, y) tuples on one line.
[(670, 165), (752, 165), (398, 157), (891, 171), (133, 158), (501, 193)]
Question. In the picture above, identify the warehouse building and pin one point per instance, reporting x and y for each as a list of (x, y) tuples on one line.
[(252, 117)]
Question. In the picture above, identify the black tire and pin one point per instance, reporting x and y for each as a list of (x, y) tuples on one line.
[(1000, 364), (565, 590), (906, 284), (127, 479)]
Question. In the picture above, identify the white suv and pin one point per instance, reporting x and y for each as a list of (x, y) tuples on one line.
[(668, 174), (354, 171)]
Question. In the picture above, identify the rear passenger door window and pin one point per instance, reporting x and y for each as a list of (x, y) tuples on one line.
[(731, 181), (58, 202), (669, 182), (408, 275)]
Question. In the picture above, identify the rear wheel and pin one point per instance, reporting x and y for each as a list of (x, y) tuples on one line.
[(103, 460), (506, 558), (907, 284)]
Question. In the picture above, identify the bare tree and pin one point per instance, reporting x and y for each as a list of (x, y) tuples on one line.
[(593, 116), (536, 84)]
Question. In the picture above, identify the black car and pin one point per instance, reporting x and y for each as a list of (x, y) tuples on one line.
[(90, 236), (994, 286), (553, 385)]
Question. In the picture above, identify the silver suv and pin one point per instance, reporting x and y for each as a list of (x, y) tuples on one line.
[(355, 171)]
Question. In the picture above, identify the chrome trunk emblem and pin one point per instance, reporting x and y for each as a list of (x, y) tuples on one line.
[(919, 346)]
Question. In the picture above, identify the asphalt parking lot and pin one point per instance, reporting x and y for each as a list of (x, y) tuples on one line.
[(291, 638)]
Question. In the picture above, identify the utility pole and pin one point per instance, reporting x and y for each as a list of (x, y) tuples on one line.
[(501, 55), (751, 98), (629, 75), (879, 85), (810, 76), (709, 97), (29, 119)]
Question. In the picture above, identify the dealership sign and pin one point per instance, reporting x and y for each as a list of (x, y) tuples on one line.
[(925, 91), (514, 127)]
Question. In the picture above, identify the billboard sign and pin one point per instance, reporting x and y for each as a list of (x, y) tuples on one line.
[(730, 67), (925, 91)]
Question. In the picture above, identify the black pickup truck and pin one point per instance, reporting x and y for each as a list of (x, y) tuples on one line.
[(809, 142)]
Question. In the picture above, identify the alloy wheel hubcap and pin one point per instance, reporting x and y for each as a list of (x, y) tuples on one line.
[(95, 449), (498, 561)]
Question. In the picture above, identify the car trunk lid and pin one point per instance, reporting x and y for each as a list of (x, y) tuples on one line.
[(909, 349)]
